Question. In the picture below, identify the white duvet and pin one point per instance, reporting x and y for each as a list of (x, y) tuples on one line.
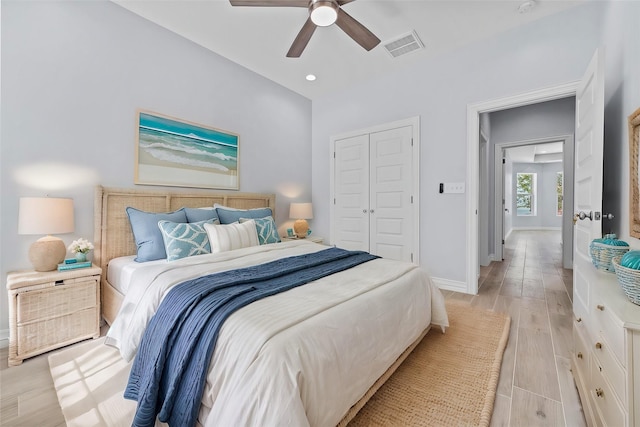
[(302, 357)]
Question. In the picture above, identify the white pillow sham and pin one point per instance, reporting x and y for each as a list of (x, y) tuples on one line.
[(227, 237)]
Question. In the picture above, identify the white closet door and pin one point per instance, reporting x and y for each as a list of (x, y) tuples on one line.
[(351, 181), (391, 191)]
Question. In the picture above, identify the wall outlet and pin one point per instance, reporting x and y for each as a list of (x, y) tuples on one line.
[(454, 187)]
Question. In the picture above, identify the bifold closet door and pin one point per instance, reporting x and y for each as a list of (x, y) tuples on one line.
[(373, 193), (391, 194), (351, 193)]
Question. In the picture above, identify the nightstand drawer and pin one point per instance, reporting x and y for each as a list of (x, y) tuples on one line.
[(56, 301), (51, 333)]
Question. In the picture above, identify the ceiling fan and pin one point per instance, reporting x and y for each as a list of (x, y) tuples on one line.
[(322, 13)]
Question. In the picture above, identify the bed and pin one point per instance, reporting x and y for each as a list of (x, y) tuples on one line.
[(310, 356)]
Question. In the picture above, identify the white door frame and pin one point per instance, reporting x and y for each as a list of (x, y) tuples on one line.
[(499, 188), (473, 146), (411, 121)]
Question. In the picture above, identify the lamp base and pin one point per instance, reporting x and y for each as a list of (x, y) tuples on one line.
[(46, 253), (300, 227)]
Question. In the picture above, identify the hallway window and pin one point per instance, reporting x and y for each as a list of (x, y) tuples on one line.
[(559, 193), (526, 194)]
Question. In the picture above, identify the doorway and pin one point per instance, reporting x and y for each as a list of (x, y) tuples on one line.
[(473, 161), (554, 188)]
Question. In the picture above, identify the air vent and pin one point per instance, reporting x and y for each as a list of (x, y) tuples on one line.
[(403, 44)]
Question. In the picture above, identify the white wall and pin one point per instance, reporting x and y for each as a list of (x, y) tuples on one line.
[(75, 72), (545, 217), (552, 51)]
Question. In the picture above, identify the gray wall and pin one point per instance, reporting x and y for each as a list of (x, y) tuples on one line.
[(545, 217), (73, 75), (551, 51)]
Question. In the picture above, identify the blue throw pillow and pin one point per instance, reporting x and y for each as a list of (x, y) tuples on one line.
[(229, 216), (146, 233), (266, 229), (200, 214), (185, 239)]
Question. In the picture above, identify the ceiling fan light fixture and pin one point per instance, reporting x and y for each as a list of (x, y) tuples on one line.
[(323, 12)]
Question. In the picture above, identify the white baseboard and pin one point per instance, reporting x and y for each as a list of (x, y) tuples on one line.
[(536, 229), (450, 285), (492, 257)]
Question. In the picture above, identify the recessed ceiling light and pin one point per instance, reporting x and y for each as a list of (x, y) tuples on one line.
[(310, 77)]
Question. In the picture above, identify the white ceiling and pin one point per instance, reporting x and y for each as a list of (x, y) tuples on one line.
[(538, 153), (258, 38)]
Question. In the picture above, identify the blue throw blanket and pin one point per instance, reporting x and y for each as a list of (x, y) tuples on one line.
[(168, 374)]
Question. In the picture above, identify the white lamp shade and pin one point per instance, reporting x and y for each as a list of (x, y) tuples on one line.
[(45, 215), (301, 211)]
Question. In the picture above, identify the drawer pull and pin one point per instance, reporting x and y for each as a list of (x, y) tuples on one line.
[(579, 355), (598, 345), (578, 319), (600, 307), (599, 392)]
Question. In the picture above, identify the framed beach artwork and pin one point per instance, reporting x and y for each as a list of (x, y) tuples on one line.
[(179, 153)]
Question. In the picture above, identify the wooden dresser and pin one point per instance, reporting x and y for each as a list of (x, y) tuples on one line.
[(606, 355)]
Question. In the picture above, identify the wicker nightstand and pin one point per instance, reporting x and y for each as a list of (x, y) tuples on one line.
[(51, 309)]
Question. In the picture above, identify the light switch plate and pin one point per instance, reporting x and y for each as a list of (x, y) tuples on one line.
[(454, 187)]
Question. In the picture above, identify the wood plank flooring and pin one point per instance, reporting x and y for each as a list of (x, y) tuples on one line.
[(535, 388)]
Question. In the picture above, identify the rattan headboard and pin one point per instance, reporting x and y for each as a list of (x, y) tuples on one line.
[(112, 231)]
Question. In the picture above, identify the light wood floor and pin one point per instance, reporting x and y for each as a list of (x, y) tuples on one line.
[(535, 389)]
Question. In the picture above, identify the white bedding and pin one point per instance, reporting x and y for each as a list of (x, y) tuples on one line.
[(302, 357)]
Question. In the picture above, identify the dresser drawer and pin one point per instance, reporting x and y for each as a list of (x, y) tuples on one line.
[(605, 325), (57, 300), (607, 364), (606, 404), (581, 352)]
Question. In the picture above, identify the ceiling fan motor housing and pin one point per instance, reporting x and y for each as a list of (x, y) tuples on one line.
[(323, 12)]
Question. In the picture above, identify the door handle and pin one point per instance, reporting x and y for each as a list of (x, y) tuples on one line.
[(581, 215), (608, 216)]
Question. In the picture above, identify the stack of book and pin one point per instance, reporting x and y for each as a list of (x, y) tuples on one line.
[(72, 264)]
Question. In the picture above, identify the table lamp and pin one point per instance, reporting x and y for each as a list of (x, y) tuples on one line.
[(45, 215), (301, 212)]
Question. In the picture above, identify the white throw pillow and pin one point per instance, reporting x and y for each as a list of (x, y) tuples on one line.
[(227, 237)]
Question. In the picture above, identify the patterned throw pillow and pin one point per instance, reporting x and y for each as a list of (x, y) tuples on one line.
[(227, 237), (266, 229), (185, 239)]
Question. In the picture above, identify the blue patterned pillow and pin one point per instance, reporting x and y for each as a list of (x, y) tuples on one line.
[(185, 239), (266, 229)]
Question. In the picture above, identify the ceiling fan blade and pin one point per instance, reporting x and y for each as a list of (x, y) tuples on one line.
[(302, 39), (356, 30), (270, 3)]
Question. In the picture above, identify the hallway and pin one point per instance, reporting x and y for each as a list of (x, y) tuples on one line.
[(536, 387)]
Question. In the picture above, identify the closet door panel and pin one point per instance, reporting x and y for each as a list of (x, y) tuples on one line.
[(351, 207), (391, 190)]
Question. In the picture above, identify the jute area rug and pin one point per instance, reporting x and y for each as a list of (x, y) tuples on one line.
[(448, 380)]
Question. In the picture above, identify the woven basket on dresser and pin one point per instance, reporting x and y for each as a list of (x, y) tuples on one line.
[(629, 280), (603, 250)]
